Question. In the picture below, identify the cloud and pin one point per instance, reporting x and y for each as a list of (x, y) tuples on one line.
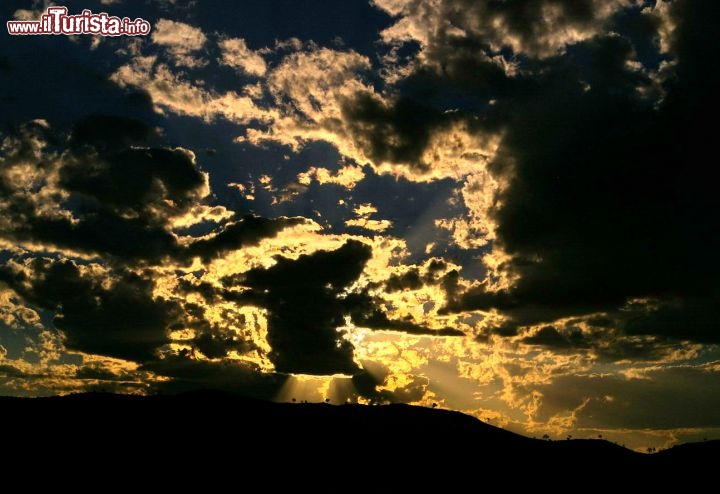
[(410, 136), (106, 193), (322, 94), (304, 302), (110, 132), (92, 308), (308, 89), (14, 315), (614, 342), (539, 29), (181, 40), (202, 213), (380, 321), (374, 311), (672, 398), (106, 200), (173, 92), (109, 203), (363, 220), (236, 53), (347, 176), (97, 371), (691, 318), (532, 175), (549, 336), (235, 234), (598, 207), (137, 182), (226, 375), (390, 133), (10, 371)]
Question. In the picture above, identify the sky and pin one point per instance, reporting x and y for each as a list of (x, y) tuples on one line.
[(505, 208)]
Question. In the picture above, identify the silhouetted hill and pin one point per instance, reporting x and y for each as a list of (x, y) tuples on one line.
[(216, 435)]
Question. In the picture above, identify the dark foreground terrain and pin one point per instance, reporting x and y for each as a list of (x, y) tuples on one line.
[(209, 439)]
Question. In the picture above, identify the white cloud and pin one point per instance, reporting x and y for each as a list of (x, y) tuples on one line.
[(170, 91), (180, 40), (236, 53), (180, 36), (347, 176), (363, 212)]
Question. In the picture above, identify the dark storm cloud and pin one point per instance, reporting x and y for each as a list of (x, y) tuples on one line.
[(118, 317), (361, 307), (365, 312), (410, 280), (188, 374), (101, 191), (611, 339), (11, 371), (207, 290), (670, 398), (585, 216), (696, 319), (114, 168), (142, 182), (250, 230), (110, 132), (122, 195), (379, 320), (214, 343), (99, 372), (610, 192), (461, 73), (432, 273), (304, 302), (430, 100), (549, 336), (366, 382), (107, 234), (396, 134)]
